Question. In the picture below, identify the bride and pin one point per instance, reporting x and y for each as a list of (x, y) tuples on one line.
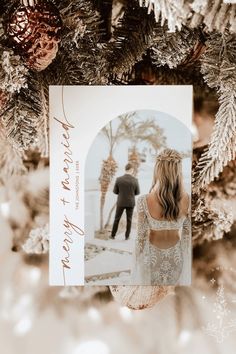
[(163, 246)]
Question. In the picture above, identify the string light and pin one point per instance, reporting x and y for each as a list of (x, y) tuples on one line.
[(125, 313), (184, 337), (23, 326), (94, 314), (92, 347), (34, 275), (5, 209), (22, 305)]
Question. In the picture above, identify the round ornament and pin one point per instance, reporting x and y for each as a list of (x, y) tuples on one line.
[(33, 29), (140, 297)]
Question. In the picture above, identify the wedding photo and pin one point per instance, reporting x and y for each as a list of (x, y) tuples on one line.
[(138, 202)]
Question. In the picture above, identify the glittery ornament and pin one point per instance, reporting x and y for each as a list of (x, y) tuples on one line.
[(139, 297), (33, 31)]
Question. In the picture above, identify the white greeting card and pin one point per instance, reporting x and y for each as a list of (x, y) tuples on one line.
[(96, 203)]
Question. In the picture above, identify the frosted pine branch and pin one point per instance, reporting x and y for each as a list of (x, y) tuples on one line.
[(199, 5), (174, 12), (21, 116), (211, 61), (172, 48), (11, 163), (222, 147), (43, 122), (13, 74), (81, 39), (131, 39), (38, 241), (20, 125), (218, 66), (208, 223), (137, 33), (215, 15)]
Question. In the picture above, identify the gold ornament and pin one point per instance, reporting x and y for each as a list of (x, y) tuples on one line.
[(138, 297)]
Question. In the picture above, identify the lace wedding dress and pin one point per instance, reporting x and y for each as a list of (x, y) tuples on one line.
[(161, 266)]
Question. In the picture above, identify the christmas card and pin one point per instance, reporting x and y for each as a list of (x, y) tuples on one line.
[(120, 185)]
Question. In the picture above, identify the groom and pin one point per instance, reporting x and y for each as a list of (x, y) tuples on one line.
[(126, 187)]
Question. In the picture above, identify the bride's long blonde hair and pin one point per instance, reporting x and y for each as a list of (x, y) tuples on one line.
[(167, 182)]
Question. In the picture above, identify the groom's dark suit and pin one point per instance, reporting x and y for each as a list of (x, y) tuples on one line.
[(126, 187)]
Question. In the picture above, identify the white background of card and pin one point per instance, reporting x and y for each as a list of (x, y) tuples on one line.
[(89, 108)]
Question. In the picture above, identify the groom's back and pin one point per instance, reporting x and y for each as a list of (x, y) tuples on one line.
[(126, 187)]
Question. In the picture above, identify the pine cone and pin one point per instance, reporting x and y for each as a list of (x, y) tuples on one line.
[(33, 31)]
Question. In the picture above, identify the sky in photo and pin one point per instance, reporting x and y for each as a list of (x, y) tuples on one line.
[(178, 137)]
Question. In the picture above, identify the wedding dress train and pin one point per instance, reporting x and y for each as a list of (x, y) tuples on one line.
[(161, 266)]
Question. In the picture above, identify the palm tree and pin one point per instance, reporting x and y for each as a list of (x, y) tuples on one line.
[(108, 170), (134, 159), (113, 134), (148, 131), (139, 131)]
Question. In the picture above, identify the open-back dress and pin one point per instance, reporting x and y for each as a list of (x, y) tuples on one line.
[(161, 266)]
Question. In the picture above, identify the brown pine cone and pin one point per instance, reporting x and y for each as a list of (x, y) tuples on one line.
[(33, 31)]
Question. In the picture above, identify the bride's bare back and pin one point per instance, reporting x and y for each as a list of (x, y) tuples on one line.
[(164, 238)]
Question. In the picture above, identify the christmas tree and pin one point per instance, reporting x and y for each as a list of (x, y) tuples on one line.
[(119, 42)]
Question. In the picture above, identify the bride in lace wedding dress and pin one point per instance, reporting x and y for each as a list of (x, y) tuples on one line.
[(163, 244)]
